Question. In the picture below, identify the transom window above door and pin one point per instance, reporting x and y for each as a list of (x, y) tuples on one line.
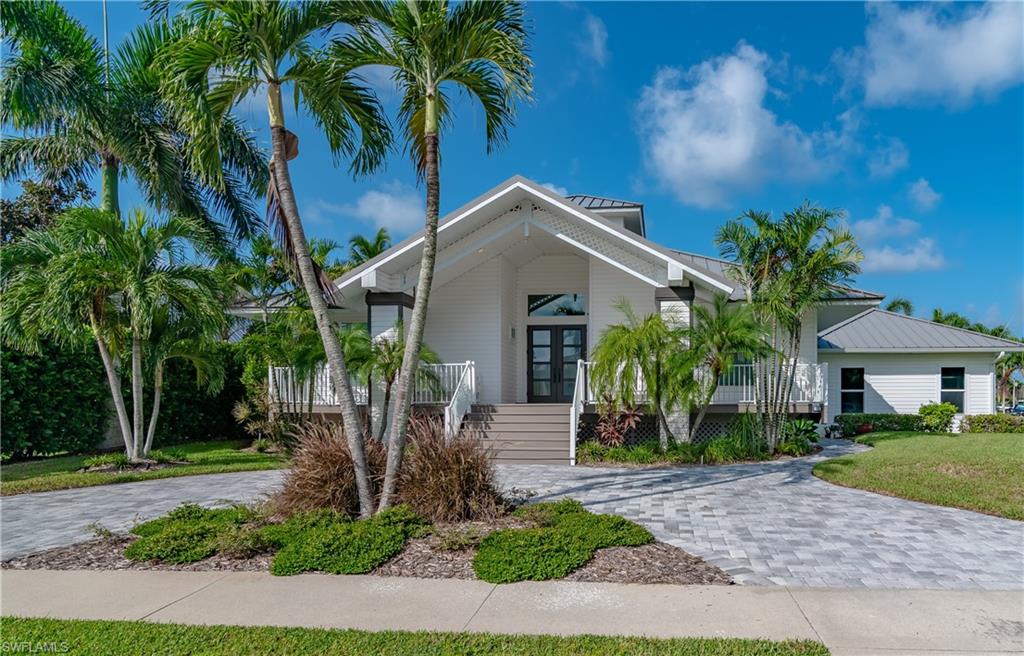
[(556, 305)]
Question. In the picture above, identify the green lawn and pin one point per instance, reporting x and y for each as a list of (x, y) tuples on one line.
[(60, 472), (976, 471), (113, 638)]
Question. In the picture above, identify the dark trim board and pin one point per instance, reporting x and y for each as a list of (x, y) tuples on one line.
[(390, 298), (674, 293)]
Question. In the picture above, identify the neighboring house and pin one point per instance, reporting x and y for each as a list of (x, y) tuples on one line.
[(526, 281)]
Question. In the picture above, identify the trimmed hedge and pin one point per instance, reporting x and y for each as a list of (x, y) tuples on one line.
[(992, 424), (850, 422), (54, 401), (937, 417)]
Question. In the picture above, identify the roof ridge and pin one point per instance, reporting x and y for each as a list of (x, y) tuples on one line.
[(845, 322), (616, 200)]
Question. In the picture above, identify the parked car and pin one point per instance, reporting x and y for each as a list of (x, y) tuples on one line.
[(1017, 409)]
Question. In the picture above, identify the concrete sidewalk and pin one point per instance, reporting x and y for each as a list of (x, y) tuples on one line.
[(850, 622)]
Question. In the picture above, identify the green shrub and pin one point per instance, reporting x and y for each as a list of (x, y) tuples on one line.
[(802, 428), (532, 554), (850, 423), (116, 460), (644, 453), (937, 417), (346, 547), (168, 455), (53, 401), (565, 538), (795, 445), (992, 424), (243, 541), (186, 534), (291, 530)]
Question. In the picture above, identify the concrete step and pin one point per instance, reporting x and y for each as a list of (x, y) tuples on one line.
[(558, 437), (504, 455), (522, 409), (494, 420)]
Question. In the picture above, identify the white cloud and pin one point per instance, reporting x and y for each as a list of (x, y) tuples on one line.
[(888, 158), (892, 244), (558, 189), (932, 53), (706, 132), (395, 206), (593, 43), (923, 195)]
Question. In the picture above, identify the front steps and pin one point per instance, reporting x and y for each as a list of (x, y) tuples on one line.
[(523, 433)]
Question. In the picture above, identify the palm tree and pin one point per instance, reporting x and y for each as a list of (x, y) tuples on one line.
[(175, 336), (901, 305), (96, 276), (384, 363), (269, 46), (479, 48), (646, 349), (80, 111), (361, 249), (787, 267), (717, 336)]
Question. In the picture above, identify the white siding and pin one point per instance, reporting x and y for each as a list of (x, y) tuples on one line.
[(383, 318), (506, 325), (463, 324), (809, 337), (607, 285), (903, 382)]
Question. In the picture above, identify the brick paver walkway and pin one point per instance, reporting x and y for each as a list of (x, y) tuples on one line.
[(775, 523)]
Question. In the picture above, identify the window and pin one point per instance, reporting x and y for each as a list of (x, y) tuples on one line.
[(851, 390), (556, 305), (953, 387)]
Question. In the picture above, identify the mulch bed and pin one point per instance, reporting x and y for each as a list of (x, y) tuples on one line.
[(424, 557)]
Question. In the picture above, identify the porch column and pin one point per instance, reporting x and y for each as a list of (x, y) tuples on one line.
[(674, 304), (384, 311)]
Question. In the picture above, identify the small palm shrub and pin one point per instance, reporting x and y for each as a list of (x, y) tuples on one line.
[(801, 428), (321, 475), (447, 480), (937, 417), (565, 538)]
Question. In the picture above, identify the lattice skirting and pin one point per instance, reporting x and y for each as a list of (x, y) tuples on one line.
[(711, 427)]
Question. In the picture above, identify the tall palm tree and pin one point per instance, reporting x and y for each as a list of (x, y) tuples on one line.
[(717, 336), (361, 249), (902, 305), (269, 46), (96, 276), (788, 266), (479, 48), (78, 111), (646, 349)]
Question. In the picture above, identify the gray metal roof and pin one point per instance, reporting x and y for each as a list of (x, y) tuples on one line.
[(600, 203), (879, 330), (719, 268)]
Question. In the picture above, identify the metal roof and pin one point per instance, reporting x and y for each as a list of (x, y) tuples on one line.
[(719, 268), (601, 203), (879, 330)]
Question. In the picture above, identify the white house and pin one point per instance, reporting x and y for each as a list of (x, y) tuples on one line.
[(526, 281)]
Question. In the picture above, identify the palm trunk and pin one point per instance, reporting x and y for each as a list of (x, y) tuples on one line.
[(281, 178), (109, 185), (137, 400), (114, 381), (705, 402), (414, 339), (158, 388), (384, 411)]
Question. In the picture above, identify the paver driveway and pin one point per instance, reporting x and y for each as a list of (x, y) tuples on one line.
[(42, 520), (775, 522), (766, 523)]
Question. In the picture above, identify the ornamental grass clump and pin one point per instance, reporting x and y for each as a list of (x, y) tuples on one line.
[(565, 538), (447, 480), (322, 475)]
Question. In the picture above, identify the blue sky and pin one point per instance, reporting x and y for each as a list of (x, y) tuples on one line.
[(910, 118)]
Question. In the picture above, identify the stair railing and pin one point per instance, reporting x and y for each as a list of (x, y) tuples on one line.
[(463, 397), (579, 395)]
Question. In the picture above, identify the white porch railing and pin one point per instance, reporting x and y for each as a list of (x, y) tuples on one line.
[(740, 385), (579, 395), (462, 399), (436, 388)]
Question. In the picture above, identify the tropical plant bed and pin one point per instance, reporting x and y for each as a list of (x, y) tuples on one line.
[(444, 550), (647, 456)]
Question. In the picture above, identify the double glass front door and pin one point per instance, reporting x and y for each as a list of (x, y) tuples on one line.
[(553, 353)]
